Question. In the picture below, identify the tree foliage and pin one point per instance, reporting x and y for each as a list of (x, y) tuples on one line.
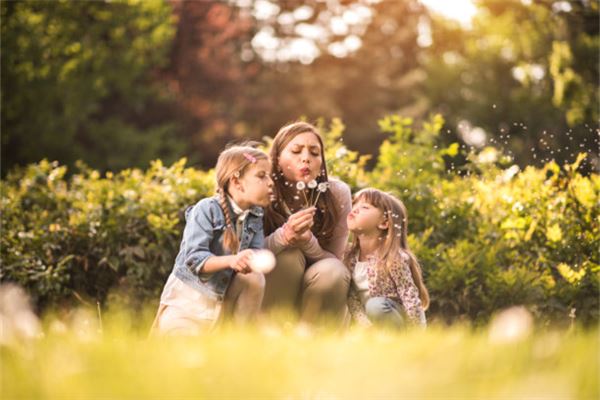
[(78, 82), (526, 73), (118, 83)]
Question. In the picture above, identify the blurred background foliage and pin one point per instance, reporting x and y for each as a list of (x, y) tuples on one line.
[(117, 84), (488, 236), (78, 83)]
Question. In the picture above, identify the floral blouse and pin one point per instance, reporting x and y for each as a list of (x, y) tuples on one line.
[(397, 285)]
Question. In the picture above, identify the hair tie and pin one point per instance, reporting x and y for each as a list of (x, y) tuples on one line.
[(250, 157)]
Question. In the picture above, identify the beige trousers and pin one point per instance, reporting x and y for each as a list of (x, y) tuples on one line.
[(317, 290), (186, 311)]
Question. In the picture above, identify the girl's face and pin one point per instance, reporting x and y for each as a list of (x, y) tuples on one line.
[(256, 185), (300, 159), (365, 218)]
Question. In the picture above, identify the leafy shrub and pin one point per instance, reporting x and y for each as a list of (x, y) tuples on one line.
[(83, 236), (487, 235)]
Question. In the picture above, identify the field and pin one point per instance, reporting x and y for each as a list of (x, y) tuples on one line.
[(290, 361)]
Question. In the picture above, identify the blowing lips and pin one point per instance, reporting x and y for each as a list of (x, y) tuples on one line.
[(304, 171)]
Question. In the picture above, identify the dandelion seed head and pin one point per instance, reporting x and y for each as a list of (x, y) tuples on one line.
[(262, 261)]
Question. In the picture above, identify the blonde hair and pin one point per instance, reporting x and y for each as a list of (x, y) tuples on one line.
[(326, 217), (395, 244), (233, 161)]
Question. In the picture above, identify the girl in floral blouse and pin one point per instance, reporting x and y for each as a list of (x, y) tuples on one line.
[(386, 278)]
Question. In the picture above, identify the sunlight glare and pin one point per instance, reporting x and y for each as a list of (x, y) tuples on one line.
[(462, 11)]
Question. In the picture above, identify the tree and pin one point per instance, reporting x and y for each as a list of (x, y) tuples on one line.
[(78, 83), (350, 59), (526, 73), (211, 81)]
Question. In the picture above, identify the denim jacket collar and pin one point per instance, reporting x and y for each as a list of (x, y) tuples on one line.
[(254, 210)]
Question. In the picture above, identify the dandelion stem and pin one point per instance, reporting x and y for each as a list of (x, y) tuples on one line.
[(317, 199), (305, 198)]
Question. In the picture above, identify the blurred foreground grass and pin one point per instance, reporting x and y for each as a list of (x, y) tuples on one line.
[(284, 361)]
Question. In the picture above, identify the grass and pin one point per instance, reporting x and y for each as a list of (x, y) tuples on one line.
[(284, 361)]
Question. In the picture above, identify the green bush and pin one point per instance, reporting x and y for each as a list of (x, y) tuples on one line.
[(488, 235), (78, 238)]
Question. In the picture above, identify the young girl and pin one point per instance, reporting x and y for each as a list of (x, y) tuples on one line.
[(386, 278), (212, 270)]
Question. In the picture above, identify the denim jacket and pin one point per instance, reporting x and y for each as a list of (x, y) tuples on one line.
[(203, 237)]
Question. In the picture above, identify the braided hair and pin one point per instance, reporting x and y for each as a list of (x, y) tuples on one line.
[(233, 161)]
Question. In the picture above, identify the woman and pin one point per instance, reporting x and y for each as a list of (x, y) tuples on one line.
[(306, 227)]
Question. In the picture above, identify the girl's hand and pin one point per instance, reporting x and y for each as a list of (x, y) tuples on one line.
[(241, 262), (297, 227)]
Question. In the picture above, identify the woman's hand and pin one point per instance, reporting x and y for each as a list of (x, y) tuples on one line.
[(241, 262), (297, 228), (304, 237)]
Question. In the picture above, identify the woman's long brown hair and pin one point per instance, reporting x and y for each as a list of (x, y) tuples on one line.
[(395, 242), (275, 216)]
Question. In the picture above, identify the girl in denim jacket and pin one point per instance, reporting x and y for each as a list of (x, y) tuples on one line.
[(212, 273), (386, 278)]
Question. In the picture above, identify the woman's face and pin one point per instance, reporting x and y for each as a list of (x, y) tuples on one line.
[(300, 159)]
